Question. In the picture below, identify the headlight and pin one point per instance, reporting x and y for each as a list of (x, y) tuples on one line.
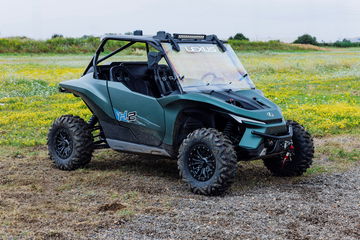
[(242, 119)]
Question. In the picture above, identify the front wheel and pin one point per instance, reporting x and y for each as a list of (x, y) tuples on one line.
[(207, 161), (298, 157), (70, 142)]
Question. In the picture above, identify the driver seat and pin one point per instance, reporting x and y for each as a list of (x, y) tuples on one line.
[(121, 74), (164, 79)]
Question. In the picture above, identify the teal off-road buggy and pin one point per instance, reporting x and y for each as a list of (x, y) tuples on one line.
[(189, 98)]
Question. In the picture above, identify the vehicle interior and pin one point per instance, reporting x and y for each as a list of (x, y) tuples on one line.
[(157, 80)]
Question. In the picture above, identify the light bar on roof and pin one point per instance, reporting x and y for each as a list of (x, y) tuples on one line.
[(189, 36)]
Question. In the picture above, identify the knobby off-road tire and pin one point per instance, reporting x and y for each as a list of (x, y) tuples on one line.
[(70, 142), (301, 158), (216, 152)]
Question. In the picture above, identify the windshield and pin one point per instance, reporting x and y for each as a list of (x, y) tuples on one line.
[(203, 66)]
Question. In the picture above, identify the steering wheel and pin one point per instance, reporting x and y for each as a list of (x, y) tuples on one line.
[(212, 79)]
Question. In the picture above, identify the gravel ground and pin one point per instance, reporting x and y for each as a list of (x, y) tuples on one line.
[(320, 207)]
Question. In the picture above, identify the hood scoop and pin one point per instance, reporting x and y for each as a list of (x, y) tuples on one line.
[(240, 101)]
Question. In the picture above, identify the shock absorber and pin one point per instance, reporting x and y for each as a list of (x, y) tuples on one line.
[(93, 120), (98, 134), (228, 130)]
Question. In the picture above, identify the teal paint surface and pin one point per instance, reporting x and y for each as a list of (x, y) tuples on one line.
[(159, 114), (94, 89), (250, 140), (149, 113), (174, 104)]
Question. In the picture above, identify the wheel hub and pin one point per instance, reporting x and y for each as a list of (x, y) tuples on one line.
[(63, 144), (201, 162)]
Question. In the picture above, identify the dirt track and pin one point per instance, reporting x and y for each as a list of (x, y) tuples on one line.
[(124, 196), (321, 207)]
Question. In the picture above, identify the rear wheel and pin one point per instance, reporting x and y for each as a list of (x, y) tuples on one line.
[(298, 157), (70, 142), (207, 161)]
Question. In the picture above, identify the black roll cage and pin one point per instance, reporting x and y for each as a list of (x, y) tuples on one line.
[(155, 42)]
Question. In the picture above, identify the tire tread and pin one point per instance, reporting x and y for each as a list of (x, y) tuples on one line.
[(303, 158), (226, 158), (82, 139)]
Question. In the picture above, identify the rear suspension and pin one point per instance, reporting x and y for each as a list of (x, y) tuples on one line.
[(98, 134)]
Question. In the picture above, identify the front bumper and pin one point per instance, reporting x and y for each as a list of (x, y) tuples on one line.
[(264, 144), (287, 136), (254, 134)]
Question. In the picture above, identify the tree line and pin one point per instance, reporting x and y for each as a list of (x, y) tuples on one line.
[(308, 39)]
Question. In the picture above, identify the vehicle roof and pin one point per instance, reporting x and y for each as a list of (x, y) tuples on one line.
[(135, 38), (162, 36)]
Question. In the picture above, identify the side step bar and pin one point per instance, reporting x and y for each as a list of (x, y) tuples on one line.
[(136, 148)]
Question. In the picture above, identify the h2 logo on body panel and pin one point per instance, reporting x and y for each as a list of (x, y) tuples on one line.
[(125, 116)]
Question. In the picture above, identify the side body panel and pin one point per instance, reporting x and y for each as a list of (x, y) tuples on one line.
[(147, 125), (111, 102), (94, 92), (156, 118), (174, 104)]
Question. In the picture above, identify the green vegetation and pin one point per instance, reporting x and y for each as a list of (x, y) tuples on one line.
[(341, 44), (89, 44), (306, 39), (239, 36), (274, 45), (56, 45)]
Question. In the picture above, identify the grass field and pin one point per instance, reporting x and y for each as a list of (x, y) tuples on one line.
[(319, 89)]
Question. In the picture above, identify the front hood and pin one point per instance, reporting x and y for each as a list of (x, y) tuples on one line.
[(246, 103), (242, 100)]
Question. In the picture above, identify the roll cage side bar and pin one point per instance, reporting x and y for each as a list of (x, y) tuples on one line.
[(155, 41), (95, 59)]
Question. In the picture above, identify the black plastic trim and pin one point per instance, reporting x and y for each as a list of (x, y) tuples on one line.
[(282, 137)]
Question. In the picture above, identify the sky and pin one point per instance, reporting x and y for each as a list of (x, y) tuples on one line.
[(328, 20)]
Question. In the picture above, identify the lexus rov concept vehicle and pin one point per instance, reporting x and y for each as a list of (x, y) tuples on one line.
[(188, 98)]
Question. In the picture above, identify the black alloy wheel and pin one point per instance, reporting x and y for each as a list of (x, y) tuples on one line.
[(201, 162), (63, 144)]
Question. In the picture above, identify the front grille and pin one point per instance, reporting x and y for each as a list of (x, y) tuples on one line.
[(277, 130), (273, 121)]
